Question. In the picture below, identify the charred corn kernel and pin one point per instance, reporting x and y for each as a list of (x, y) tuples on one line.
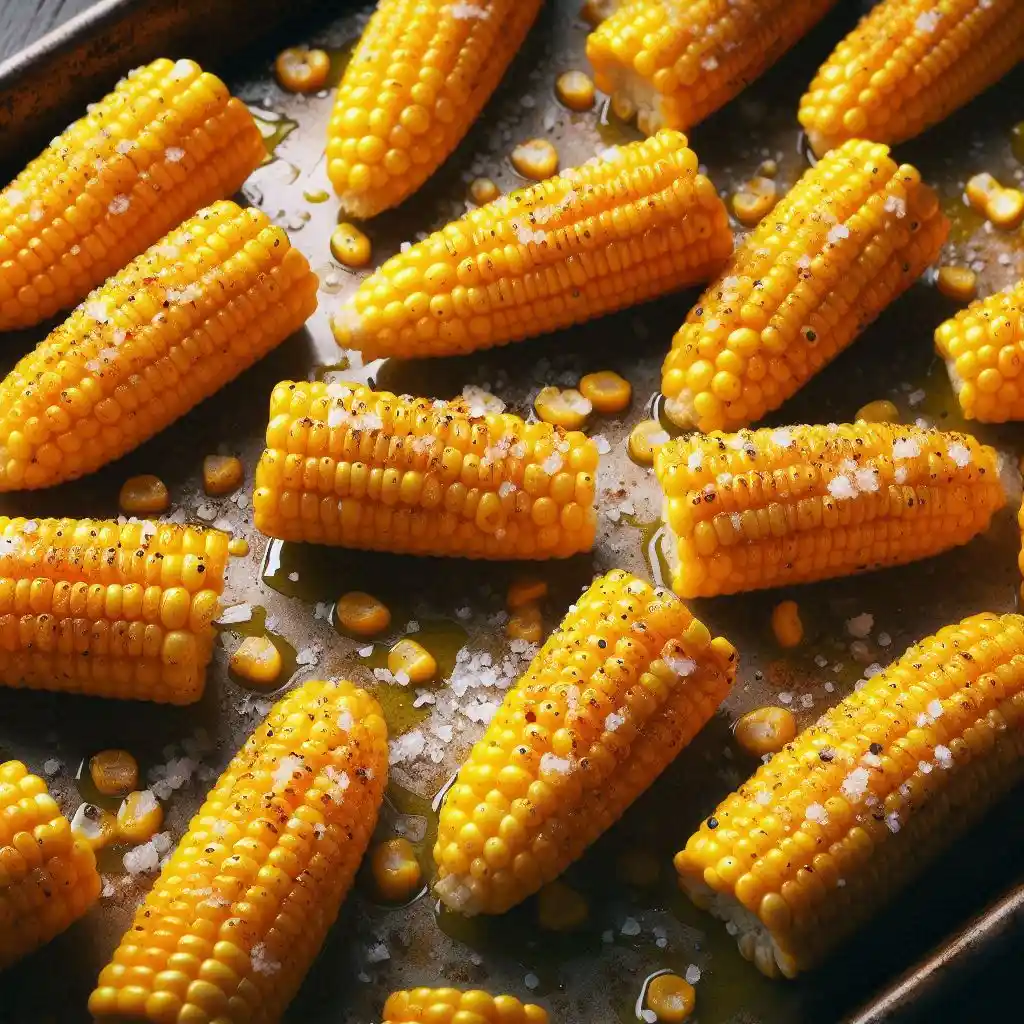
[(525, 591), (765, 508), (959, 283), (238, 547), (366, 469), (645, 439), (139, 817), (362, 614), (854, 233), (575, 90), (606, 391), (907, 65), (244, 903), (96, 607), (396, 871), (257, 660), (222, 474), (752, 202), (638, 867), (411, 660), (765, 730), (983, 346), (143, 495), (114, 182), (302, 70), (349, 246), (536, 159), (842, 818), (617, 691), (49, 876), (676, 63), (567, 409), (671, 998), (879, 411), (434, 1005), (416, 81), (1006, 208), (525, 623), (114, 772), (609, 234), (561, 908), (94, 825), (786, 624), (176, 324), (483, 191)]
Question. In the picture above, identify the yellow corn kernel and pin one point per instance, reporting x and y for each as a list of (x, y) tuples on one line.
[(525, 591), (143, 495), (349, 246), (670, 997), (1006, 208), (222, 474), (238, 547), (94, 826), (606, 391), (879, 411), (786, 624), (525, 623), (567, 409), (561, 908), (396, 871), (639, 867), (536, 159), (959, 283), (765, 730), (437, 1005), (644, 441), (767, 169), (114, 772), (257, 660), (575, 90), (751, 203), (483, 191), (980, 190), (139, 817), (412, 661), (302, 70), (362, 613)]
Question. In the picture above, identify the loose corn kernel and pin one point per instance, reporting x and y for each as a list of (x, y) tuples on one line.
[(879, 411), (450, 1006), (959, 283), (114, 772), (606, 391), (525, 591), (645, 439), (561, 908), (139, 817), (257, 660), (349, 246), (786, 624), (765, 730), (1006, 208), (525, 623), (362, 613), (238, 546), (638, 867), (94, 826), (672, 998), (575, 90), (222, 474), (767, 169), (302, 70), (143, 495), (412, 660), (752, 202), (536, 159), (980, 190), (483, 191), (567, 409), (396, 871)]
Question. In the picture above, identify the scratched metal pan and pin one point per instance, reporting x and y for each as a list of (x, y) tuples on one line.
[(598, 974)]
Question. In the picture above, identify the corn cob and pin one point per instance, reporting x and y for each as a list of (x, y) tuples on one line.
[(637, 223), (94, 607), (416, 81), (861, 801), (983, 346), (437, 1005), (766, 508), (908, 65), (675, 62), (852, 235), (616, 692), (241, 909), (364, 469), (166, 332), (48, 878), (167, 141)]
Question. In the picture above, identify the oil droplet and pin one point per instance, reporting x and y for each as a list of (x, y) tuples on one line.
[(323, 372), (317, 196), (653, 535), (340, 58), (257, 626), (964, 220), (274, 128)]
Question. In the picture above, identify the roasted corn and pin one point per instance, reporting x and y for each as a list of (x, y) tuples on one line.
[(430, 1005)]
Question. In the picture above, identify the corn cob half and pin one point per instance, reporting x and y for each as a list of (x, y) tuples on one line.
[(854, 233), (983, 346), (436, 1005), (766, 508), (168, 140), (908, 65), (636, 223), (626, 681), (364, 469), (95, 607), (175, 325), (241, 909), (861, 801), (416, 81), (48, 878), (675, 62)]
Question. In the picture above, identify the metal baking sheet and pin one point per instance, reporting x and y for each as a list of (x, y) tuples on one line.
[(597, 974)]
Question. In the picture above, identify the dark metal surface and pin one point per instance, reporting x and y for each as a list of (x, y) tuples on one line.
[(22, 22)]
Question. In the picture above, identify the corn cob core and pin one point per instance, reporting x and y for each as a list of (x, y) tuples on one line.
[(771, 507), (241, 909), (617, 691), (359, 468), (628, 226), (166, 332), (853, 234), (48, 878), (167, 141), (821, 836), (416, 81), (677, 61), (437, 1005), (907, 65), (983, 346), (94, 607)]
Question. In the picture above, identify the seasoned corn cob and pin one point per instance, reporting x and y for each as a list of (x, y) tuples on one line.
[(364, 469), (94, 607), (854, 233), (637, 223), (616, 692), (675, 62), (167, 141), (241, 909), (766, 508), (861, 801), (908, 65), (983, 346), (416, 81), (166, 332), (437, 1005), (48, 877)]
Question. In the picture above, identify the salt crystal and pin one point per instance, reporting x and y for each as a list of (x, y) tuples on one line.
[(861, 625), (943, 755), (631, 926), (900, 476), (820, 660), (481, 402), (307, 656), (906, 448), (182, 69), (839, 232), (695, 461), (692, 974), (783, 438), (928, 21), (806, 701), (531, 981), (959, 453), (884, 640), (465, 12), (894, 204), (935, 709), (119, 204), (613, 721), (51, 766), (892, 822), (648, 1015), (365, 652), (816, 812), (785, 697), (141, 859), (174, 154), (916, 397), (924, 767), (603, 447), (406, 747), (236, 613), (840, 487), (424, 697), (764, 798), (855, 785), (207, 513), (412, 626), (287, 767), (552, 763)]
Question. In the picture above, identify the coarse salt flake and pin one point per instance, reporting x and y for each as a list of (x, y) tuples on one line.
[(861, 625), (631, 926), (174, 154), (816, 812), (613, 721), (692, 974), (119, 204), (553, 763), (855, 785), (959, 453)]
